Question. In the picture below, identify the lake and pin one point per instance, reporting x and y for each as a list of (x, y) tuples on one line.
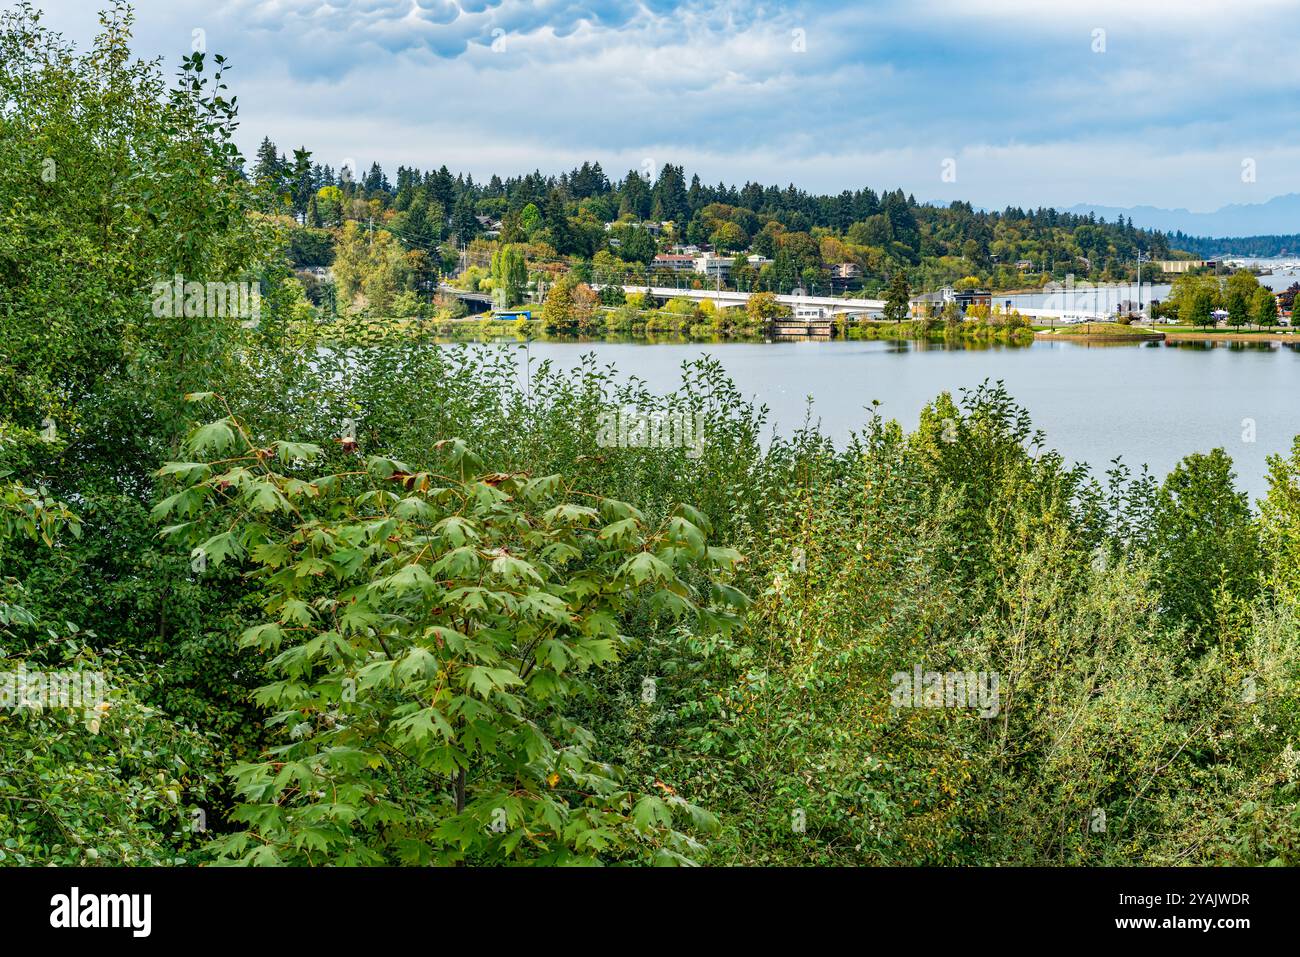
[(1150, 403)]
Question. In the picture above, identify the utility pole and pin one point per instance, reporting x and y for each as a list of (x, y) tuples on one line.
[(1139, 282), (1141, 258)]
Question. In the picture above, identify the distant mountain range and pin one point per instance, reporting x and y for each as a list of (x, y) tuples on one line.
[(1280, 216)]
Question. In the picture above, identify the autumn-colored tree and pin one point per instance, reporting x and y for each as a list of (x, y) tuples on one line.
[(557, 310), (728, 237), (350, 256), (763, 307), (371, 270), (586, 307)]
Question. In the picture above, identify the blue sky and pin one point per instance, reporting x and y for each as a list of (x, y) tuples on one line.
[(1118, 102)]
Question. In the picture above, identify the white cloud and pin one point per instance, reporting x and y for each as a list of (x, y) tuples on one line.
[(1167, 15), (881, 95)]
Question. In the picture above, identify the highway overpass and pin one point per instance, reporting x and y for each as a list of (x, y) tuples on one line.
[(831, 305), (834, 306)]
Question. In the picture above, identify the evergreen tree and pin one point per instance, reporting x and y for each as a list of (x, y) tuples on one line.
[(268, 168), (634, 197), (464, 225), (898, 298), (557, 223), (302, 185)]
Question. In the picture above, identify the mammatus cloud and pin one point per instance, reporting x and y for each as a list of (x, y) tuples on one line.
[(447, 28)]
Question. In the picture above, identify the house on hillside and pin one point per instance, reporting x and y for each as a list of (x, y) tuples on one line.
[(845, 276), (715, 267)]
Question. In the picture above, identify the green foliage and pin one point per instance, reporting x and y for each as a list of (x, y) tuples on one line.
[(112, 180), (1239, 297), (425, 630), (1204, 540), (1263, 307), (898, 299), (82, 240), (762, 307), (118, 784), (534, 651), (1194, 298), (510, 275)]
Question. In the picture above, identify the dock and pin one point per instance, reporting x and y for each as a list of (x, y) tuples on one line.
[(823, 328)]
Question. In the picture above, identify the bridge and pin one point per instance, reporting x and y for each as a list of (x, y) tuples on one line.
[(830, 305), (833, 306), (482, 300)]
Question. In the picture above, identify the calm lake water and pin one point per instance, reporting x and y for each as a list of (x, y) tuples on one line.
[(1151, 403)]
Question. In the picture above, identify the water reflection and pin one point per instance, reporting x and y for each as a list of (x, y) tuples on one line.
[(1232, 345), (894, 346)]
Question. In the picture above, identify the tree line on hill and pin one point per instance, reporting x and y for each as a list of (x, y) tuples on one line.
[(1262, 247), (804, 235)]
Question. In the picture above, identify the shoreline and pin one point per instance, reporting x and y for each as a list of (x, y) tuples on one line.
[(1173, 334), (1108, 333), (1231, 337), (471, 329)]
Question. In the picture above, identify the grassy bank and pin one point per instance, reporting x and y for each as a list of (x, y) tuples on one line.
[(1101, 332)]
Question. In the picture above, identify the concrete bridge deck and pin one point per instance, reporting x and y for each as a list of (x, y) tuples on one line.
[(830, 305)]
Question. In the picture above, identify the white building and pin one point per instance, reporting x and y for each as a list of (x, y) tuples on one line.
[(809, 312), (673, 262), (715, 267)]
